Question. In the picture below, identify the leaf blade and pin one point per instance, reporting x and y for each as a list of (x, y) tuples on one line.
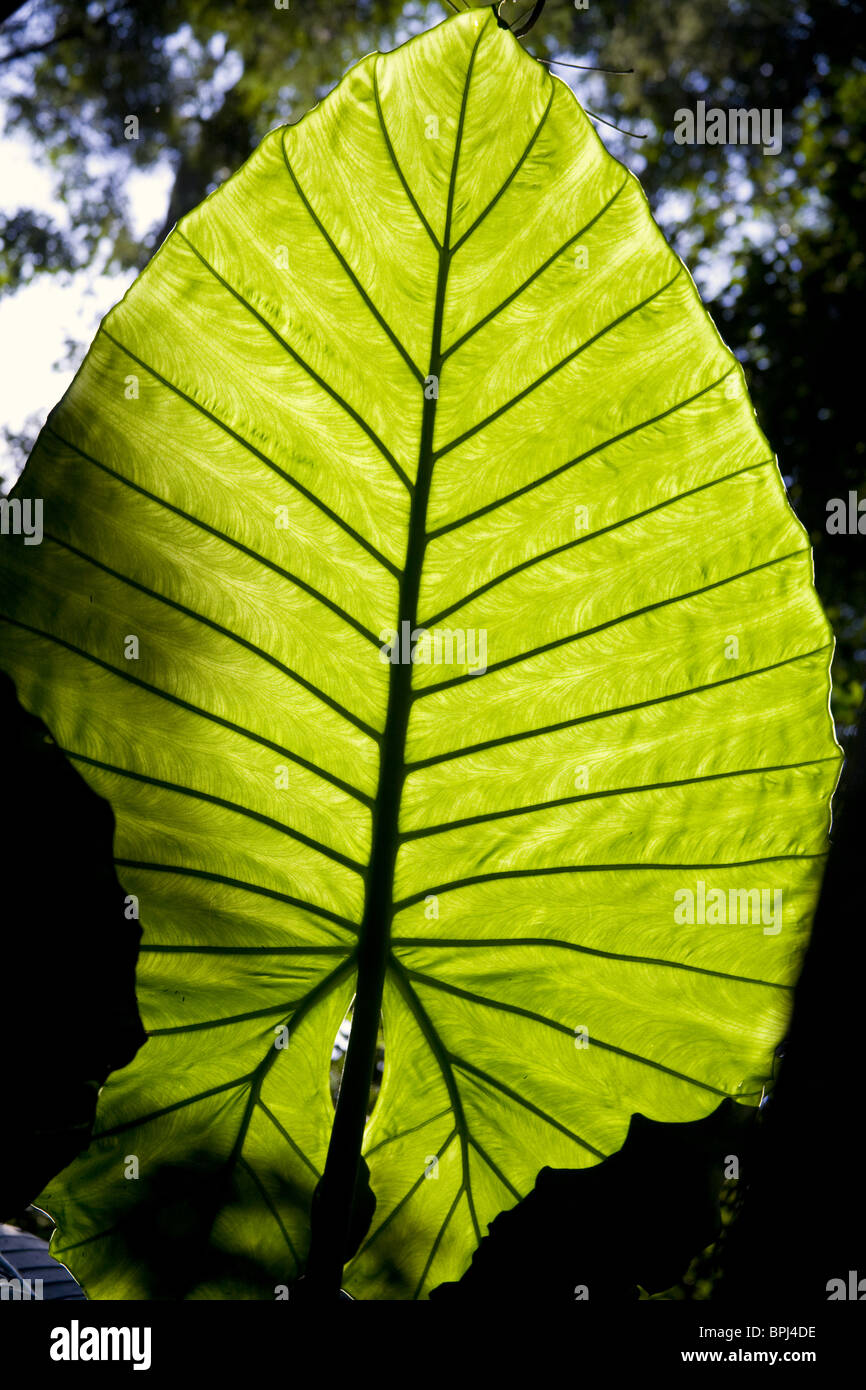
[(590, 489)]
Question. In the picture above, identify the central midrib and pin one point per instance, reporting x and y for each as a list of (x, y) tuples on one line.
[(332, 1218)]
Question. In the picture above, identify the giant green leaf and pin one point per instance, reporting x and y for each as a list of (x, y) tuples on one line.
[(425, 360)]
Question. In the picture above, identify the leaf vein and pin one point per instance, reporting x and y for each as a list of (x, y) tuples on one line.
[(563, 467), (556, 642), (195, 709), (339, 858), (274, 661), (546, 729), (187, 872), (581, 540), (393, 158), (320, 381), (416, 372), (551, 371), (423, 831), (510, 179), (534, 276), (224, 536), (542, 872)]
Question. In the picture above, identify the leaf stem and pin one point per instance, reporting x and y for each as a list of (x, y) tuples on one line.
[(330, 1232)]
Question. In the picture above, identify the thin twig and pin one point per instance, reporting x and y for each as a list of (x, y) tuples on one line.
[(633, 134), (520, 33), (584, 67)]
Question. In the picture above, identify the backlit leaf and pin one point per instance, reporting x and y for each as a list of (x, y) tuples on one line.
[(424, 362)]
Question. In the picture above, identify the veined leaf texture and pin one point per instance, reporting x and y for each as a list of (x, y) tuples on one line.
[(425, 364)]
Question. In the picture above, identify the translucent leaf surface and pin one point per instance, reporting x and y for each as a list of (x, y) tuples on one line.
[(424, 360)]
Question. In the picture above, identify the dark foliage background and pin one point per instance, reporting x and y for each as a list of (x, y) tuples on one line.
[(776, 245)]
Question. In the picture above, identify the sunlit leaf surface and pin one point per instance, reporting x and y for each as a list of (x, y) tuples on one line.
[(424, 360)]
